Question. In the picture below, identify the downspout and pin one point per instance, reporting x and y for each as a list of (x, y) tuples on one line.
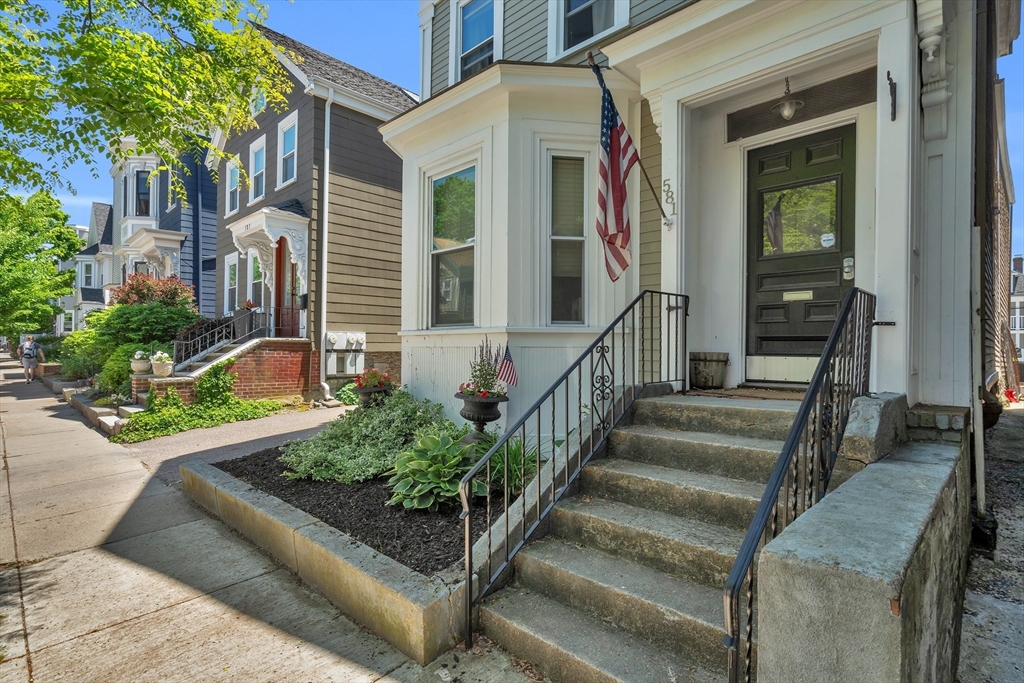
[(324, 207), (197, 231)]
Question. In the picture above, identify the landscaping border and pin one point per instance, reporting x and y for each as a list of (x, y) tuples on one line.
[(421, 616)]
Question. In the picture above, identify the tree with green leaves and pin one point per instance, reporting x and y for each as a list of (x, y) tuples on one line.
[(34, 238), (79, 77)]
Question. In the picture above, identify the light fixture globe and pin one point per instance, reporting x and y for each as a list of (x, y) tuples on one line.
[(788, 106)]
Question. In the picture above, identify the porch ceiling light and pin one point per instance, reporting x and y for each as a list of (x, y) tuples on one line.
[(787, 106)]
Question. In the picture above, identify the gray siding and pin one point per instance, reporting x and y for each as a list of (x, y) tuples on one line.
[(364, 280), (526, 31), (643, 11), (301, 189), (439, 48)]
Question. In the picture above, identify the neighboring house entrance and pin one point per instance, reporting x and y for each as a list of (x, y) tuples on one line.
[(800, 248), (286, 292)]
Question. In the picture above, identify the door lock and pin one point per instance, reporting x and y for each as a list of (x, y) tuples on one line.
[(848, 268)]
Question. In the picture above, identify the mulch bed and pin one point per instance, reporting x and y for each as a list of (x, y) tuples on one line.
[(426, 542)]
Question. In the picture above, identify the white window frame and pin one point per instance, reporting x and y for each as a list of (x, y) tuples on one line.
[(253, 148), (472, 160), (286, 123), (172, 202), (153, 182), (68, 317), (259, 102), (230, 260), (232, 166), (88, 278), (252, 282), (549, 157), (455, 37), (556, 29), (426, 48)]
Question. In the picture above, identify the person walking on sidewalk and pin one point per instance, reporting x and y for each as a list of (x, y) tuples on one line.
[(30, 353)]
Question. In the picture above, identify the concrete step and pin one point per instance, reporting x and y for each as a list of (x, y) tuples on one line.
[(127, 411), (210, 357), (704, 497), (111, 424), (663, 610), (228, 348), (192, 367), (696, 551), (723, 455), (142, 396), (570, 647), (755, 418)]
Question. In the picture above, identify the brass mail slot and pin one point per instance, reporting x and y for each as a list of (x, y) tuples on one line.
[(803, 295)]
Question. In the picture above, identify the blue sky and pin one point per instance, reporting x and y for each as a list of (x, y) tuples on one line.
[(382, 36)]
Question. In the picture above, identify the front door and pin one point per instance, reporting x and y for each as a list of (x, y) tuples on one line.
[(800, 232), (286, 293)]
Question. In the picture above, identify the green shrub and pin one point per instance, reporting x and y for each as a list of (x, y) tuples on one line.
[(81, 355), (168, 414), (214, 387), (428, 475), (140, 288), (346, 395), (142, 324), (51, 347), (522, 462), (117, 370), (361, 444)]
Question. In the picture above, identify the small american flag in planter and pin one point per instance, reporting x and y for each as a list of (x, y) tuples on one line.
[(507, 370)]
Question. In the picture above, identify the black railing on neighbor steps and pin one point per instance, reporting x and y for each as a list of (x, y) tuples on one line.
[(244, 325), (560, 433), (801, 475)]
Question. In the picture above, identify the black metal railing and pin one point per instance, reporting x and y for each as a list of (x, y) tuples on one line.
[(801, 475), (530, 467), (246, 324)]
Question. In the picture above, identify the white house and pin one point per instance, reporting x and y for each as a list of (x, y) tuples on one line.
[(877, 147)]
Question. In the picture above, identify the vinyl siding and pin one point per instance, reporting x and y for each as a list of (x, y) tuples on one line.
[(439, 48), (364, 261), (650, 215), (642, 11), (301, 189), (526, 31)]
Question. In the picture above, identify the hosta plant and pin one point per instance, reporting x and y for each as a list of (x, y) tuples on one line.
[(428, 476)]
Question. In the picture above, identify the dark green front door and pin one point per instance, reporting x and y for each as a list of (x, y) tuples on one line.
[(800, 229)]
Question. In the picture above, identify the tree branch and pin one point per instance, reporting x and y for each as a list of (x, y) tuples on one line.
[(165, 27), (87, 22)]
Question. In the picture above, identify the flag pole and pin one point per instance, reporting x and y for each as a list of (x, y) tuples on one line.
[(639, 160)]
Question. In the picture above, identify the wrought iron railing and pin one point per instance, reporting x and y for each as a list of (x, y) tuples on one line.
[(244, 325), (802, 473), (538, 458)]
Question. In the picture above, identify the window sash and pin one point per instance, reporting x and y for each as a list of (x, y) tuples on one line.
[(233, 189), (566, 227), (87, 275), (259, 164), (141, 193), (453, 296), (255, 281), (574, 14)]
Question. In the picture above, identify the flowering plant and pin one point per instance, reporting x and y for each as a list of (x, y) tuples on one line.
[(371, 378), (141, 355), (483, 373), (160, 357), (248, 305)]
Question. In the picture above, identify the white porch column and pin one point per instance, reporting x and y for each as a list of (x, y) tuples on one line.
[(673, 151), (895, 198)]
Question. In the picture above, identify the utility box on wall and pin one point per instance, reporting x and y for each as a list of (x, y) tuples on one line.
[(344, 352)]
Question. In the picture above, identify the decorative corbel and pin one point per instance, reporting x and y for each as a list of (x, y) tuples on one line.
[(935, 88), (654, 102)]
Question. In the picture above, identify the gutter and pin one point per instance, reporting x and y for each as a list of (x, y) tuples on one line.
[(324, 208)]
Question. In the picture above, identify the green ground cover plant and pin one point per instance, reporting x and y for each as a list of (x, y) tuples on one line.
[(117, 370), (427, 475), (365, 442), (346, 395), (215, 405)]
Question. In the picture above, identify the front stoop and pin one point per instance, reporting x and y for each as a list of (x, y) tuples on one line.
[(628, 585)]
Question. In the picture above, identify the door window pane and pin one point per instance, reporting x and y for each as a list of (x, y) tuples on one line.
[(452, 261), (584, 19), (800, 219)]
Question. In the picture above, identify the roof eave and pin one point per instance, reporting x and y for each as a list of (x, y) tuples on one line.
[(322, 88)]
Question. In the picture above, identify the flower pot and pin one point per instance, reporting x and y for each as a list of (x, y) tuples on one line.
[(163, 369), (370, 395), (480, 410), (140, 367)]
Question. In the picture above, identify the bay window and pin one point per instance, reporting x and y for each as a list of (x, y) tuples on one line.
[(568, 239), (452, 258), (141, 193), (87, 275)]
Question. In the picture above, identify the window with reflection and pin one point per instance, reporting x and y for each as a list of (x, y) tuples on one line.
[(584, 19), (453, 221), (477, 36), (141, 193), (800, 219), (568, 239)]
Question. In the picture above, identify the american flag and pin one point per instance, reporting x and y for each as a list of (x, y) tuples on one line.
[(616, 157), (507, 370)]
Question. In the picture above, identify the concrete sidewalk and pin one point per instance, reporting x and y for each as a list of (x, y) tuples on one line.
[(107, 573)]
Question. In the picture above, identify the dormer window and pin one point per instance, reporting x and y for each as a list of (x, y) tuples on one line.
[(141, 193), (585, 19), (477, 37)]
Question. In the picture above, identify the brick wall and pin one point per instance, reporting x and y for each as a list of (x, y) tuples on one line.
[(185, 386)]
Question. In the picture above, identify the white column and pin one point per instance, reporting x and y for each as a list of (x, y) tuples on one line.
[(897, 47)]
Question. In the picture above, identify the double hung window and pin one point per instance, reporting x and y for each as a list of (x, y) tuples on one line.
[(257, 170), (142, 193), (568, 239), (585, 19), (287, 132), (452, 258), (87, 275), (477, 45), (69, 321), (230, 283), (232, 188), (255, 281), (124, 197)]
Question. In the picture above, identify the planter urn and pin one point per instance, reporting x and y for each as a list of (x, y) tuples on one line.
[(163, 368), (371, 395), (480, 410), (140, 367)]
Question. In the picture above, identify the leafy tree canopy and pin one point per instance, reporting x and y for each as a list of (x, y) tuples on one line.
[(34, 238), (94, 75)]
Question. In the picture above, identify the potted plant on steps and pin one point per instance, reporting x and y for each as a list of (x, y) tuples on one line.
[(482, 393), (162, 364), (372, 386), (140, 363)]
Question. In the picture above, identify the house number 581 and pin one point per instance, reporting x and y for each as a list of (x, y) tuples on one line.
[(670, 202)]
